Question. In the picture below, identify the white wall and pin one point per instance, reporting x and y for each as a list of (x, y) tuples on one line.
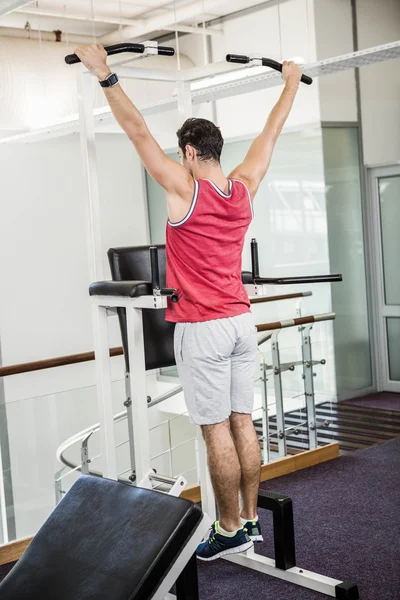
[(44, 305), (379, 23), (334, 36)]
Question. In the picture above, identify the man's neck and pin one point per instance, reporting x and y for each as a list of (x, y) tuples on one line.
[(212, 172)]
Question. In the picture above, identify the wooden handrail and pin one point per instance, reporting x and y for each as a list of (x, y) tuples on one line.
[(49, 363), (281, 297), (297, 321)]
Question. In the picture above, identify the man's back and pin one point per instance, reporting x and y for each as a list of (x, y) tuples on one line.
[(204, 254)]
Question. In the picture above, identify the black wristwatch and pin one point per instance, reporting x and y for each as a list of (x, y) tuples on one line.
[(110, 81)]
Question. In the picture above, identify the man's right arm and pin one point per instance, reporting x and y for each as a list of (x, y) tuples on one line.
[(255, 166), (172, 176)]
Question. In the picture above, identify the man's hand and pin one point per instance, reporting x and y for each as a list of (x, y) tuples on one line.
[(291, 72), (95, 60)]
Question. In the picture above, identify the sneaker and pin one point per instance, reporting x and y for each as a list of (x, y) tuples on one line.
[(254, 531), (219, 545), (252, 528)]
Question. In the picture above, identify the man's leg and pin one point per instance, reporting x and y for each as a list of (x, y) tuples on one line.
[(224, 466), (249, 454)]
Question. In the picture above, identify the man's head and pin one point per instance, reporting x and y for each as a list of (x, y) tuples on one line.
[(200, 142)]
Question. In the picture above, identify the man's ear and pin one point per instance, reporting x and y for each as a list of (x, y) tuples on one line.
[(190, 152)]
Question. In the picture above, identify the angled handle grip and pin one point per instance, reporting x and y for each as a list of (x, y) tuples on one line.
[(266, 62), (73, 59), (237, 58), (273, 64)]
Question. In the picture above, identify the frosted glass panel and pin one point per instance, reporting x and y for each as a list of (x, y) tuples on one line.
[(389, 195), (346, 251), (393, 336)]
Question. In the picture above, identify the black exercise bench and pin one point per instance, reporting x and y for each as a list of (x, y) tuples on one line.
[(110, 541)]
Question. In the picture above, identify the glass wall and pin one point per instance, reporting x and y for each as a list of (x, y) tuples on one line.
[(346, 255)]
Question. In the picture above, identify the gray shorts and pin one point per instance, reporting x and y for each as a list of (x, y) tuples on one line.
[(216, 365)]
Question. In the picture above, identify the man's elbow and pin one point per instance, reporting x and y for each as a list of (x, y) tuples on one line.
[(136, 133)]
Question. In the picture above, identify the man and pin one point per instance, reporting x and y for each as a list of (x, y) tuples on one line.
[(215, 337)]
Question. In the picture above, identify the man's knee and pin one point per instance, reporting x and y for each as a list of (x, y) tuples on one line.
[(239, 421), (215, 429)]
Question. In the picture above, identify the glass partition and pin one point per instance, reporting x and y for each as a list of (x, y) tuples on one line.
[(347, 256)]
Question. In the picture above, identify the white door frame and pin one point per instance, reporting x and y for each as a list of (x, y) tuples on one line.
[(374, 247)]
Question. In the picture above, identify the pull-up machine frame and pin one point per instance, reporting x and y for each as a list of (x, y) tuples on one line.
[(104, 301)]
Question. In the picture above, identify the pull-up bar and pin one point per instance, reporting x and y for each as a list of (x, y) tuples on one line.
[(72, 59), (266, 62), (298, 321)]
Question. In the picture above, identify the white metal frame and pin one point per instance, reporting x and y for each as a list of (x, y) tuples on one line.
[(379, 309)]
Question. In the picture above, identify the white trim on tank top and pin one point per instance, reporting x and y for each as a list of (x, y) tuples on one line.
[(217, 189), (191, 209)]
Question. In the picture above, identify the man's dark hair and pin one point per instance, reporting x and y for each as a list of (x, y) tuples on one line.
[(202, 135)]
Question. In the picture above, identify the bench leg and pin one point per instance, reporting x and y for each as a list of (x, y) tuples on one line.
[(187, 587)]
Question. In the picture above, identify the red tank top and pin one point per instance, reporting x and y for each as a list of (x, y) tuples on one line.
[(204, 254)]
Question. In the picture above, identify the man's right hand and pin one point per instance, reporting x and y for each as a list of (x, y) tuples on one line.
[(291, 72), (94, 58)]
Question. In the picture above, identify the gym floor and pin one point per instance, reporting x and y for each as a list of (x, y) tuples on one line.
[(347, 524), (346, 516)]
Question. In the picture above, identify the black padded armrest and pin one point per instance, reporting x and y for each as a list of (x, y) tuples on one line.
[(128, 289)]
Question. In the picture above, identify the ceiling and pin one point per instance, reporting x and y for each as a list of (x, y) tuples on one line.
[(115, 18)]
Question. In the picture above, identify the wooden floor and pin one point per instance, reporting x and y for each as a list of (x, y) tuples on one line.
[(353, 427)]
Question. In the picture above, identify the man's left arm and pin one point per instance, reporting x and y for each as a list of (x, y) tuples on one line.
[(255, 166)]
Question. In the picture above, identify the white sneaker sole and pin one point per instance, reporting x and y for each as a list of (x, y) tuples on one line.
[(256, 538), (235, 550)]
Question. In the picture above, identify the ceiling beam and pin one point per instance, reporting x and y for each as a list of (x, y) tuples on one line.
[(58, 14), (42, 12), (169, 19)]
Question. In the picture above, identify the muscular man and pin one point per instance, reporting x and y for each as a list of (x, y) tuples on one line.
[(215, 335)]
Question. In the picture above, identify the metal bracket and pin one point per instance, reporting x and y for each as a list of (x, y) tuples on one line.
[(85, 460), (178, 484)]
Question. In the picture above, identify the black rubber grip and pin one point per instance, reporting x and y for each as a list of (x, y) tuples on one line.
[(273, 64), (166, 51), (155, 271), (255, 267), (73, 59), (298, 280), (237, 58)]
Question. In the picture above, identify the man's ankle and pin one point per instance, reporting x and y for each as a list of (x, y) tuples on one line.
[(248, 516), (230, 526)]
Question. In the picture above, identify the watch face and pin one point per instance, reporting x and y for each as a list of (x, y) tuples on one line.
[(110, 81)]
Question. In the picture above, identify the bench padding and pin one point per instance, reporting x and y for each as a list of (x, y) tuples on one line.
[(104, 541)]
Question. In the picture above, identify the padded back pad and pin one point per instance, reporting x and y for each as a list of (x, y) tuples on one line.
[(130, 264), (104, 541)]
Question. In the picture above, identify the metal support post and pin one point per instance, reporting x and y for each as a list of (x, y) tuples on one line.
[(136, 388), (184, 97), (127, 404), (104, 392), (89, 163), (280, 412), (308, 375), (264, 408)]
